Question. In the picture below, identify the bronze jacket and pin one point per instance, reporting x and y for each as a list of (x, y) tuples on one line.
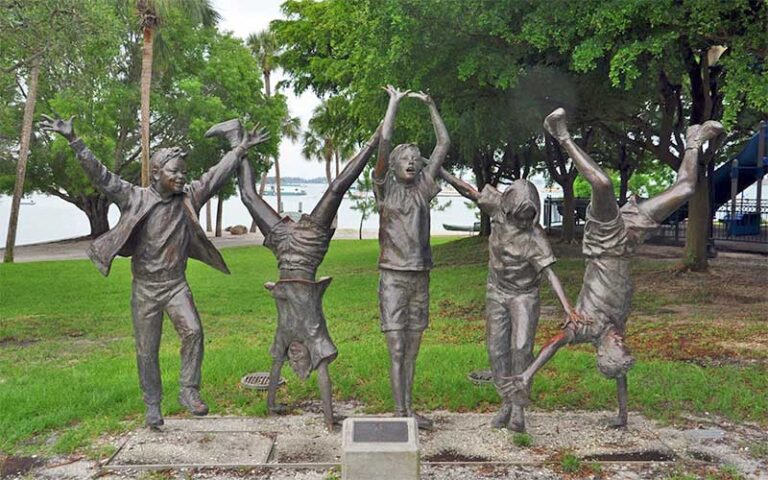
[(136, 202)]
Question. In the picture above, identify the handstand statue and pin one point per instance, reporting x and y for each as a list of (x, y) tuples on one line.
[(302, 334), (519, 255), (404, 187), (611, 236), (159, 230)]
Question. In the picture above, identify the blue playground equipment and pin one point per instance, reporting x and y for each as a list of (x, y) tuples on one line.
[(733, 177)]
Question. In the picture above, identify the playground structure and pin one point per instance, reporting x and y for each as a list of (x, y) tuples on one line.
[(736, 220)]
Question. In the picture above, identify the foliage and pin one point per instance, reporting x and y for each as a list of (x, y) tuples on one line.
[(213, 78)]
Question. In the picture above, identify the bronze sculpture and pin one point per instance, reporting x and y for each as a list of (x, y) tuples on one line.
[(611, 236), (519, 255), (159, 230), (404, 187), (302, 335)]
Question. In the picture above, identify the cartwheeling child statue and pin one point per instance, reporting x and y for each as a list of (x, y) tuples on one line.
[(404, 185), (301, 336), (611, 236), (159, 230)]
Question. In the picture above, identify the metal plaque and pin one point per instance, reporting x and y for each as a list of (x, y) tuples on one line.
[(373, 431)]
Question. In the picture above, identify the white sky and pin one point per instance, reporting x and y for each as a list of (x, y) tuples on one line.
[(243, 17)]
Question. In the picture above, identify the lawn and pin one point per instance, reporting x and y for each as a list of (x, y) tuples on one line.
[(68, 375)]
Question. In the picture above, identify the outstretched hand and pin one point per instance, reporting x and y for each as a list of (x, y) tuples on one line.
[(256, 136), (574, 320), (63, 127), (396, 94), (424, 97)]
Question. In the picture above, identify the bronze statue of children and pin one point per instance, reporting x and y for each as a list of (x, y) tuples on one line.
[(518, 254), (159, 230), (611, 236), (302, 335), (404, 187)]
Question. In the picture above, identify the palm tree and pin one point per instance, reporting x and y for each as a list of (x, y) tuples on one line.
[(266, 49), (151, 14), (317, 147)]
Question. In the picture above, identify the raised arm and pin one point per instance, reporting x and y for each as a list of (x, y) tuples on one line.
[(326, 208), (387, 129), (441, 133), (460, 185), (216, 177), (110, 184), (263, 214)]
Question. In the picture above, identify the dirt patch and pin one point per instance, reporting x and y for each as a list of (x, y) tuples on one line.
[(454, 456), (644, 456), (11, 342), (12, 466)]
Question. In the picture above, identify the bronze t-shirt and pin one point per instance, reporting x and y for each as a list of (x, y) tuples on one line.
[(404, 222)]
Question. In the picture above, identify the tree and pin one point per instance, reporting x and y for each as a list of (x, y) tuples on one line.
[(151, 15), (213, 78), (674, 47), (266, 48), (40, 36), (365, 203)]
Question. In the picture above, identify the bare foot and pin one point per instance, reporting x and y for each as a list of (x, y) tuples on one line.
[(501, 419), (698, 135), (556, 125), (517, 421)]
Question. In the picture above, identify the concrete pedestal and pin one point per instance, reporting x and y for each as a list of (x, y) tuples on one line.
[(380, 449)]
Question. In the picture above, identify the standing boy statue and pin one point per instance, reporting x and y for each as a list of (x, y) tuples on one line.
[(300, 246), (611, 236), (519, 255), (159, 230), (404, 188)]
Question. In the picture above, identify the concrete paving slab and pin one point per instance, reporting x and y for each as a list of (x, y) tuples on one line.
[(177, 449)]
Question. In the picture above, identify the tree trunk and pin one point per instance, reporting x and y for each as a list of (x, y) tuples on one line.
[(96, 208), (21, 168), (146, 85), (624, 176), (328, 170), (569, 210), (338, 162), (697, 233), (360, 230), (277, 187), (219, 214), (267, 83), (208, 223)]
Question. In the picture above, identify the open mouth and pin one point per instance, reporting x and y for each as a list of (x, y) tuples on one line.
[(410, 170)]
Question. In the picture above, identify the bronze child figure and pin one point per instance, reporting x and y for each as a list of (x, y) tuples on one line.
[(519, 255), (404, 187), (159, 230), (611, 236), (302, 335)]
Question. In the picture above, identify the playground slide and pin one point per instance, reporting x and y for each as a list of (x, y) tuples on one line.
[(748, 174)]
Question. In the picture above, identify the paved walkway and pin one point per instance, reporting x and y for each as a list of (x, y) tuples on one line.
[(462, 445), (74, 249)]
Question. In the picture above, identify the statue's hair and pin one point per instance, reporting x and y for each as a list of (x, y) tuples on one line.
[(165, 155), (400, 150)]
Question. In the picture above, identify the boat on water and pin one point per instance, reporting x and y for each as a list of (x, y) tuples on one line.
[(462, 228), (285, 190)]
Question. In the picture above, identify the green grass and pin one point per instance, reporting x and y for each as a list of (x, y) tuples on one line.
[(68, 375)]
